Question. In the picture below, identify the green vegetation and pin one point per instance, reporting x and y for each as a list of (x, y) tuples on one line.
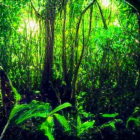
[(38, 109), (69, 69)]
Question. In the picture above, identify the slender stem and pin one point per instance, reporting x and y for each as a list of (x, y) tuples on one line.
[(2, 134)]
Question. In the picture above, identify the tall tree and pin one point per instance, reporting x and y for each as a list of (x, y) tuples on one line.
[(75, 74), (49, 24)]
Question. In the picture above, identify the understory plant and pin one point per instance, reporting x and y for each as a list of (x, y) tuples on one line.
[(83, 127), (22, 113), (133, 121)]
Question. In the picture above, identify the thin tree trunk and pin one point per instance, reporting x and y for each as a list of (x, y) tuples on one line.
[(64, 48), (75, 75), (47, 76)]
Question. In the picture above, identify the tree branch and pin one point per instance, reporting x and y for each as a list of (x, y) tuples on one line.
[(36, 12), (103, 19)]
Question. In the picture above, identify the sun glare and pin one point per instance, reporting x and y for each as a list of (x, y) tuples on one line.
[(105, 2), (116, 23), (31, 25)]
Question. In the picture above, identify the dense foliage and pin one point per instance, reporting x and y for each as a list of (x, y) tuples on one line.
[(85, 52)]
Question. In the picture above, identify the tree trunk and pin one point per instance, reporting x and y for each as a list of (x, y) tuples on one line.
[(64, 48), (47, 75)]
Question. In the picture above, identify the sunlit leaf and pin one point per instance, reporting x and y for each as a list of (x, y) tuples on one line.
[(60, 107), (110, 115), (79, 121), (34, 109), (16, 109), (133, 120), (63, 121), (47, 127), (85, 126)]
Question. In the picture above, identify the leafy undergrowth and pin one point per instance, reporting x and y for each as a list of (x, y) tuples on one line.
[(38, 121)]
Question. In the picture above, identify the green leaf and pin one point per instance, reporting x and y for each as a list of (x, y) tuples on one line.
[(137, 109), (79, 123), (63, 121), (47, 127), (37, 92), (83, 93), (16, 109), (110, 115), (112, 124), (17, 95), (60, 107), (34, 111), (29, 114), (85, 126), (136, 121), (63, 83)]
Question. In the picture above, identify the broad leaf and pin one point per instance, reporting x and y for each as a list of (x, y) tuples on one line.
[(63, 121), (110, 115), (47, 127), (111, 124), (136, 121), (60, 107), (16, 109), (34, 109), (79, 123), (86, 125)]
